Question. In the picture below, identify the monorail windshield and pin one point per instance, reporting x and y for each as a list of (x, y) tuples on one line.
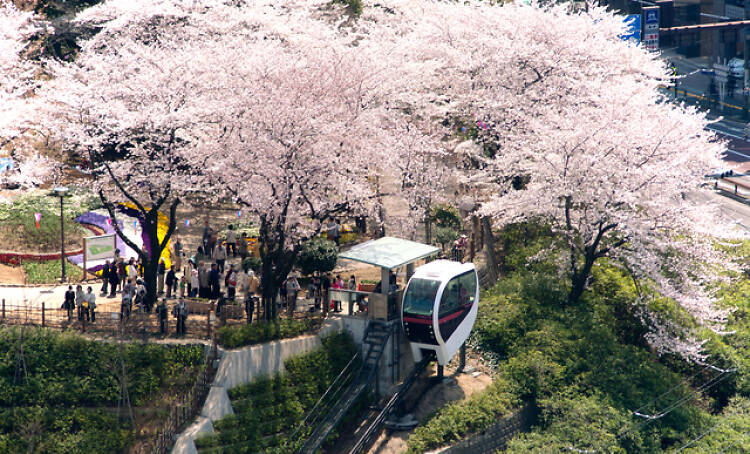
[(420, 297)]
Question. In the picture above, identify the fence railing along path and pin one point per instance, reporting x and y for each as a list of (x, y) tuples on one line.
[(496, 436), (200, 324)]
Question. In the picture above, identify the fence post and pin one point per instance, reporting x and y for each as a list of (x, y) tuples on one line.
[(3, 309), (42, 314), (208, 324)]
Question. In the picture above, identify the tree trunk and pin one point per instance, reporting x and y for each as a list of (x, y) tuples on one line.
[(580, 278), (489, 248)]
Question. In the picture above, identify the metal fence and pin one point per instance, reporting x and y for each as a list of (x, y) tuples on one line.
[(497, 436), (200, 324)]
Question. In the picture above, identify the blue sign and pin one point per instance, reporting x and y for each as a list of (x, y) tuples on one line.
[(632, 28), (6, 164), (651, 16), (651, 27)]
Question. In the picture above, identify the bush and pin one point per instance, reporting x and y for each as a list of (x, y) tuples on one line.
[(251, 263), (317, 254), (68, 384), (456, 420), (241, 335)]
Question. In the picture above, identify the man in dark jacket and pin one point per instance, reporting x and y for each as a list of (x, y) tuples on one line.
[(213, 281), (114, 279), (171, 281), (105, 277), (161, 313)]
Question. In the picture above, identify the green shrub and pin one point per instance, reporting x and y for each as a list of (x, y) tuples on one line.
[(317, 255), (455, 420), (241, 335), (251, 262)]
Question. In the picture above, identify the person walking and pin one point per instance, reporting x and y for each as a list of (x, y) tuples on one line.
[(171, 281), (105, 277), (140, 295), (230, 282), (207, 232), (161, 270), (91, 305), (214, 282), (79, 302), (85, 304), (219, 256), (161, 313), (232, 241), (70, 302)]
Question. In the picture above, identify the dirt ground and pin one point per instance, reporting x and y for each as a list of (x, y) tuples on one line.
[(12, 275), (455, 387)]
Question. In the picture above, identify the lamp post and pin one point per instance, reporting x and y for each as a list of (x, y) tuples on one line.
[(61, 191)]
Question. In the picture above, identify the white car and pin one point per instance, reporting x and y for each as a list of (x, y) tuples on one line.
[(737, 68)]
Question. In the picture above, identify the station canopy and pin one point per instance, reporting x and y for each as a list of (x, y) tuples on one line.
[(389, 252)]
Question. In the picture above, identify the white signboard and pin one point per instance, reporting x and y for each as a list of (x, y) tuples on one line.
[(99, 247)]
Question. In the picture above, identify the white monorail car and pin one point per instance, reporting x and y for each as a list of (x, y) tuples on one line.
[(440, 307)]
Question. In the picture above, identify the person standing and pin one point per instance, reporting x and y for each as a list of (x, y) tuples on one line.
[(231, 282), (180, 311), (161, 313), (122, 273), (171, 281), (213, 281), (220, 257), (325, 283), (140, 295), (132, 270), (182, 284), (128, 292), (91, 304), (79, 302), (177, 253), (70, 302), (292, 288), (194, 283), (232, 241), (253, 284), (333, 230), (105, 277), (204, 278), (242, 246), (114, 279), (161, 270), (249, 306)]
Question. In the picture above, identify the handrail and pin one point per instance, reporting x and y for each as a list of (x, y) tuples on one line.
[(317, 404)]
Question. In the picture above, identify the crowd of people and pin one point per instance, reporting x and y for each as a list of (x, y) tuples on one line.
[(212, 273)]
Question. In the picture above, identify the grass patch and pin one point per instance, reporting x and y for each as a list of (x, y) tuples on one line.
[(49, 272)]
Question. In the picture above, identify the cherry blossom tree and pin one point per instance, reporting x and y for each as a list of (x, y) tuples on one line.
[(17, 106), (275, 107), (133, 104), (577, 114)]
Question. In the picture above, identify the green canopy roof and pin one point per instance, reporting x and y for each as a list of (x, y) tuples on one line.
[(389, 252)]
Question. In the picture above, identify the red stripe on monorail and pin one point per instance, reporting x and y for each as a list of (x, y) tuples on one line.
[(421, 321), (450, 317)]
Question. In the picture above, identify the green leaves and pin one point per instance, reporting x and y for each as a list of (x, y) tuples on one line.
[(241, 335)]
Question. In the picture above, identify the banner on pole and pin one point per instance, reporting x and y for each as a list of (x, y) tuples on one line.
[(99, 247)]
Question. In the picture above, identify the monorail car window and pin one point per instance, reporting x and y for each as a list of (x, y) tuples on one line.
[(420, 298), (456, 302)]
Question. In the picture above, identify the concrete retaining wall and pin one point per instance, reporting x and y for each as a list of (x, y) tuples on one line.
[(240, 366)]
